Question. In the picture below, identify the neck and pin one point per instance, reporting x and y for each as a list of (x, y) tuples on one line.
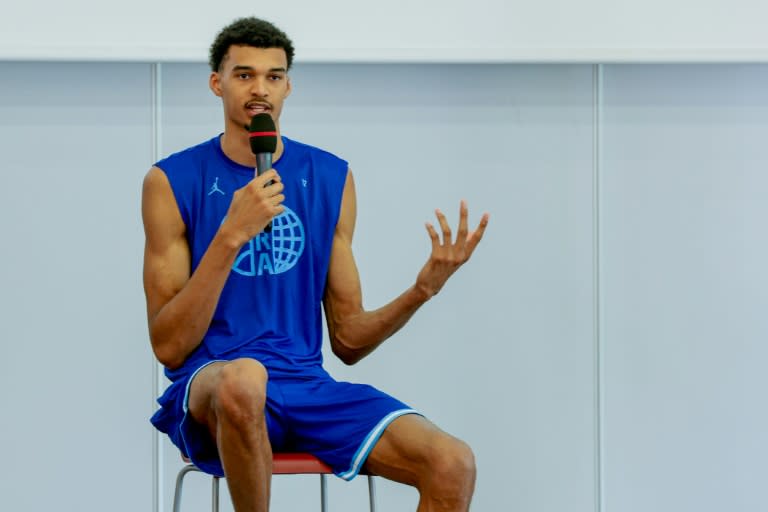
[(235, 144)]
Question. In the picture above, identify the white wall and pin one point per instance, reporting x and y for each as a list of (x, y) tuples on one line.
[(75, 374), (600, 352), (685, 287)]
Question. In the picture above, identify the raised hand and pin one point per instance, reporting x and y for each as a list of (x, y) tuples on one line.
[(448, 255)]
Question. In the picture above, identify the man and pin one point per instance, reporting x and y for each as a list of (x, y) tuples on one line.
[(234, 311)]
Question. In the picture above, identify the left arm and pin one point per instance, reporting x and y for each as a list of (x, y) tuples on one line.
[(354, 332)]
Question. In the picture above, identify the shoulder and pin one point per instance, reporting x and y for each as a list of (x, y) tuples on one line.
[(314, 153), (158, 205), (188, 158)]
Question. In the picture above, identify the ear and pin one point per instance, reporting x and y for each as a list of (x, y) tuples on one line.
[(288, 87), (214, 83)]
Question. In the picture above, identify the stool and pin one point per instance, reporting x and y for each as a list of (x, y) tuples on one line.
[(282, 464)]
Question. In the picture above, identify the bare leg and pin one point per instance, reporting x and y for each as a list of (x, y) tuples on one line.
[(229, 399), (414, 451)]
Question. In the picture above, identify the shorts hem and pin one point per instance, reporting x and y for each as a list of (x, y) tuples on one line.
[(370, 441)]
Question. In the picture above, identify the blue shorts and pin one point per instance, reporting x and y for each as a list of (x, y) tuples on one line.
[(338, 422)]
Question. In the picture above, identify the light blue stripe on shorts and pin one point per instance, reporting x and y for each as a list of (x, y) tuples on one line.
[(370, 440)]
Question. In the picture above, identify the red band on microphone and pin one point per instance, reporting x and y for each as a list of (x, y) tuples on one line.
[(262, 134)]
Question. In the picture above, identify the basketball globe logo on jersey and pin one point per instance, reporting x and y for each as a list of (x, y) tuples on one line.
[(275, 252)]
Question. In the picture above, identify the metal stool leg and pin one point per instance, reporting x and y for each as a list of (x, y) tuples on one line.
[(215, 495), (179, 484), (323, 494), (371, 493)]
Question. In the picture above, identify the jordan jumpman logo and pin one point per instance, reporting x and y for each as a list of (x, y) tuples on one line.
[(215, 187)]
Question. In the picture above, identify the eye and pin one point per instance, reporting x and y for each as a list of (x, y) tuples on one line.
[(275, 78), (244, 76)]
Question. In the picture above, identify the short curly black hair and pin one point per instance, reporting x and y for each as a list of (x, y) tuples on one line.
[(249, 32)]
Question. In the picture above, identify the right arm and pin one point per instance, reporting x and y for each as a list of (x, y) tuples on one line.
[(180, 304)]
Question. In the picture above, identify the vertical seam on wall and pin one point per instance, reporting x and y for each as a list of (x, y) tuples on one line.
[(157, 375), (597, 104)]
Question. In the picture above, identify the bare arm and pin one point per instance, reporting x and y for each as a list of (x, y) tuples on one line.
[(354, 332), (180, 305)]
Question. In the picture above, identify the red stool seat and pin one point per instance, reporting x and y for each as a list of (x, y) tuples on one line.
[(298, 463), (293, 464)]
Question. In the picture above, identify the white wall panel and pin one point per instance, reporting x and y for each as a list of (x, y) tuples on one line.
[(75, 375), (684, 287)]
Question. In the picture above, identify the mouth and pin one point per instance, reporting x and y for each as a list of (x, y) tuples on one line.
[(258, 108)]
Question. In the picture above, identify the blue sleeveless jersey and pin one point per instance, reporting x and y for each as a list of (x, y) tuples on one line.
[(270, 305)]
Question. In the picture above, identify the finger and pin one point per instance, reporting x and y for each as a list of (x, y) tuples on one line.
[(474, 238), (461, 235), (444, 226), (274, 188), (433, 236), (269, 175)]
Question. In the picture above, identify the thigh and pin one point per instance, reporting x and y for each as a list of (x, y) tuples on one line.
[(339, 422), (407, 448), (197, 428)]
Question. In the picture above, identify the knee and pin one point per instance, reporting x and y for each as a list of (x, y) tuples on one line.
[(240, 391), (452, 469)]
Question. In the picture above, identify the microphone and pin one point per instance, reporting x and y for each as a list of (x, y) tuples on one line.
[(263, 137)]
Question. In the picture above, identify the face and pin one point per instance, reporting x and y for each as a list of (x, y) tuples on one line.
[(251, 81)]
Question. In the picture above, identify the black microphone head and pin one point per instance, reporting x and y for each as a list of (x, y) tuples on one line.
[(263, 134)]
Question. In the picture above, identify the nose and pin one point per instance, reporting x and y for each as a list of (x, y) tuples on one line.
[(259, 87)]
